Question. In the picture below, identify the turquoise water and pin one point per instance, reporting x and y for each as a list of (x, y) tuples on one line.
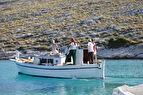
[(118, 72)]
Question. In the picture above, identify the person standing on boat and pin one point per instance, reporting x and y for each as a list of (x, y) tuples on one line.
[(95, 51), (72, 51), (54, 47), (91, 51)]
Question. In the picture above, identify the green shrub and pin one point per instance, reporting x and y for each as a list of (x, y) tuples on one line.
[(119, 42), (22, 48)]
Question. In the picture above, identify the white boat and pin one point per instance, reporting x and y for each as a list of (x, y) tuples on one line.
[(54, 66)]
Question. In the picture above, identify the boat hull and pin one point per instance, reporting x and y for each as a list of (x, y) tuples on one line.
[(69, 71)]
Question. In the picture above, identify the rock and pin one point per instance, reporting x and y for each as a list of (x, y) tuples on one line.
[(44, 10), (36, 14), (99, 29), (92, 34), (8, 19), (24, 35), (131, 12), (37, 35), (6, 54), (19, 31), (127, 90), (49, 32), (139, 55), (91, 20), (38, 26), (115, 27), (126, 52), (7, 8), (6, 2), (65, 15)]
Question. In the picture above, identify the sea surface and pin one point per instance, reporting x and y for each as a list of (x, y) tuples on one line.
[(118, 73)]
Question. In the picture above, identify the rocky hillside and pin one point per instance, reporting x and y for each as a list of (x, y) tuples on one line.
[(31, 24)]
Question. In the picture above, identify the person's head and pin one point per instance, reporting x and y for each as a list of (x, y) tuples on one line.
[(52, 41), (73, 40), (89, 40)]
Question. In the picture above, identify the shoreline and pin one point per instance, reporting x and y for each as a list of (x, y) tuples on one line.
[(131, 52), (98, 58)]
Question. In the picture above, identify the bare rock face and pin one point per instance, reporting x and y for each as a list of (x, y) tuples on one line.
[(6, 55), (135, 52), (127, 52)]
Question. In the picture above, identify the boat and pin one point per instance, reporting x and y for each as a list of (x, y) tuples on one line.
[(53, 66)]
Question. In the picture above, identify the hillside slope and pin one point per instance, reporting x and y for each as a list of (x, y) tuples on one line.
[(31, 24)]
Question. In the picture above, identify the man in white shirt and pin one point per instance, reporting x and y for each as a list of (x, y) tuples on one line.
[(90, 51), (72, 53)]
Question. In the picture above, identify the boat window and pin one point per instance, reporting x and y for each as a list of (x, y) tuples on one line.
[(56, 61), (50, 61), (43, 60)]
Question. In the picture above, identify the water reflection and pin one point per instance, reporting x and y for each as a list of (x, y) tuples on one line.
[(61, 86)]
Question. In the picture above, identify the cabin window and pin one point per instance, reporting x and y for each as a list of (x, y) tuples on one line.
[(50, 61), (56, 61), (43, 60)]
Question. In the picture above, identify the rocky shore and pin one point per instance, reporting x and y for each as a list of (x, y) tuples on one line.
[(131, 52), (134, 52)]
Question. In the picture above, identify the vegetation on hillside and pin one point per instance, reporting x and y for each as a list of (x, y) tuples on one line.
[(119, 42), (31, 24)]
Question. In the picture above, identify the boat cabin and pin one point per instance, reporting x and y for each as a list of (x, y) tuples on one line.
[(50, 60), (59, 60)]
